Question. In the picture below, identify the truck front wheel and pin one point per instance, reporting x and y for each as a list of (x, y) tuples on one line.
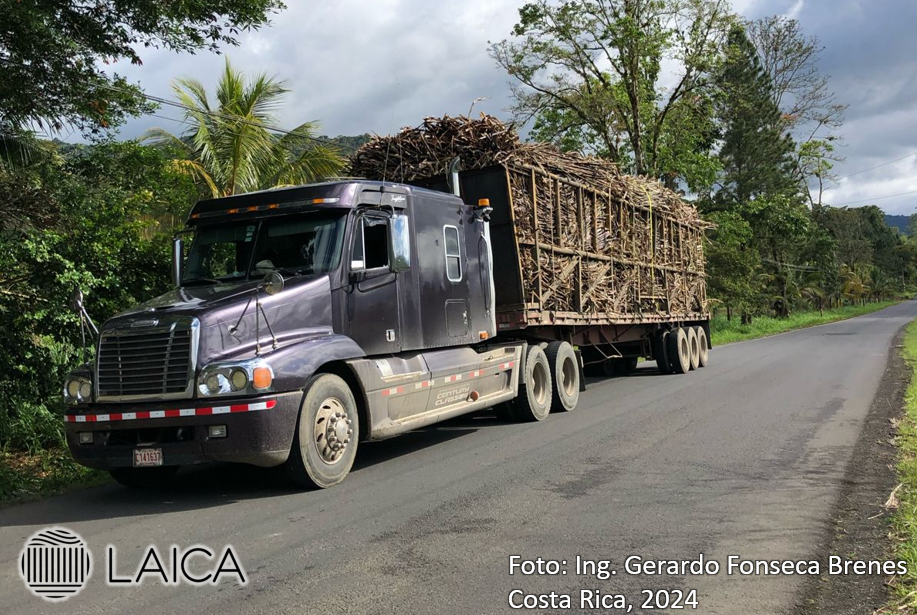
[(327, 432), (565, 373)]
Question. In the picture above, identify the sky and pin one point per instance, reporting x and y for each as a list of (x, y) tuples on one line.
[(375, 66)]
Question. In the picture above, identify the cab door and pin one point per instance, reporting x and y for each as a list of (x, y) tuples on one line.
[(373, 318)]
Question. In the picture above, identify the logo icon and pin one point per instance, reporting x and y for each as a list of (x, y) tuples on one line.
[(55, 564)]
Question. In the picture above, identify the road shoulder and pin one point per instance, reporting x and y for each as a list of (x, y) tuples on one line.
[(859, 524)]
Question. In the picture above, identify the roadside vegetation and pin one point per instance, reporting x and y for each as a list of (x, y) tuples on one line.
[(904, 589), (725, 331)]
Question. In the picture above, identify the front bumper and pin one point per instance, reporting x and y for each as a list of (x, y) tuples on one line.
[(259, 431)]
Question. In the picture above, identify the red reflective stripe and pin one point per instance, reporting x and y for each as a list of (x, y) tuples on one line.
[(173, 412)]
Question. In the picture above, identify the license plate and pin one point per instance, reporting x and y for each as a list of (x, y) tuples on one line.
[(147, 457)]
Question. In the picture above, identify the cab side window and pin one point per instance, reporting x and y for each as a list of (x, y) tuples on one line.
[(370, 244), (453, 253)]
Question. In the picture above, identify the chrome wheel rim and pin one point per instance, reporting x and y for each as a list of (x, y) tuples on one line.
[(332, 431)]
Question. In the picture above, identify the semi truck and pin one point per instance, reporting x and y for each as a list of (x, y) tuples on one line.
[(307, 320)]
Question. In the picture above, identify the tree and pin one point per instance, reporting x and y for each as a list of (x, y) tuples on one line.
[(51, 52), (234, 147), (87, 218), (589, 71), (757, 157), (809, 109), (799, 89)]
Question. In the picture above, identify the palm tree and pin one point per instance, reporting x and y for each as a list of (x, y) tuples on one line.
[(235, 147)]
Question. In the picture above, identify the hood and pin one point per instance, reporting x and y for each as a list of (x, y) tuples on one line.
[(195, 299), (302, 309)]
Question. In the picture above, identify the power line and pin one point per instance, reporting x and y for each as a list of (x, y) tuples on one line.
[(878, 166), (878, 198)]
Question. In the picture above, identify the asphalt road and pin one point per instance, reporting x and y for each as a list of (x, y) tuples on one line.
[(745, 457)]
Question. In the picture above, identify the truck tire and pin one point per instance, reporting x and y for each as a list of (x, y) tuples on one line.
[(327, 433), (661, 351), (565, 374), (703, 346), (144, 478), (694, 346), (679, 354), (534, 400)]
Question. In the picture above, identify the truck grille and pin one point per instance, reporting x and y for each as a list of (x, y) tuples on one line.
[(152, 363)]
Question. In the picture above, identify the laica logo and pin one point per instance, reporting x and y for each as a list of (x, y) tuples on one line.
[(55, 564)]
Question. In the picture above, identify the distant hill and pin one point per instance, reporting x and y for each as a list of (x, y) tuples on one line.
[(347, 145), (899, 222)]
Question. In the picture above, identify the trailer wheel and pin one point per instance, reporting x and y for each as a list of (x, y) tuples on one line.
[(703, 346), (327, 432), (693, 346), (679, 354), (661, 351), (144, 478), (565, 374), (534, 400)]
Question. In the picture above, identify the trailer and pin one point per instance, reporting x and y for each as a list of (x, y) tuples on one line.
[(308, 319)]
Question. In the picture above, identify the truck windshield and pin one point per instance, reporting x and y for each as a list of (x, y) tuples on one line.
[(307, 244)]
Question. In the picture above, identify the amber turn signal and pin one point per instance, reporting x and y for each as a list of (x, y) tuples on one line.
[(262, 378)]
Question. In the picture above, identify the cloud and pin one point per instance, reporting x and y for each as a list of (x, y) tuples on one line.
[(376, 66)]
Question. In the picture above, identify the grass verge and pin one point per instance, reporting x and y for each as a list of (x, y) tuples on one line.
[(725, 331), (24, 477), (904, 521)]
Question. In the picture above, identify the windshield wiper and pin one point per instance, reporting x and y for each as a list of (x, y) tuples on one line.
[(293, 272), (200, 281)]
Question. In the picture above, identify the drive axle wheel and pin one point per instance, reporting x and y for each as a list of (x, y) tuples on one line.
[(679, 353), (565, 374), (534, 400), (327, 432)]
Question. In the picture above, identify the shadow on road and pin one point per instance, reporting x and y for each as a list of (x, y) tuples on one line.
[(217, 484)]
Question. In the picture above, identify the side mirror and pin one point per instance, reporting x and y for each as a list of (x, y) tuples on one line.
[(272, 283), (357, 276), (178, 253)]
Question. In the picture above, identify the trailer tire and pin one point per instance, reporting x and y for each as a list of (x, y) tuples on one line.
[(328, 414), (661, 351), (703, 345), (144, 478), (679, 354), (565, 374), (534, 400), (694, 347)]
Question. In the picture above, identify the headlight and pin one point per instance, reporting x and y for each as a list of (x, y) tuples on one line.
[(234, 378), (77, 389), (239, 379)]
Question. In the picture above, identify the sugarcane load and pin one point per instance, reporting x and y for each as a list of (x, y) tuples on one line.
[(460, 270)]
